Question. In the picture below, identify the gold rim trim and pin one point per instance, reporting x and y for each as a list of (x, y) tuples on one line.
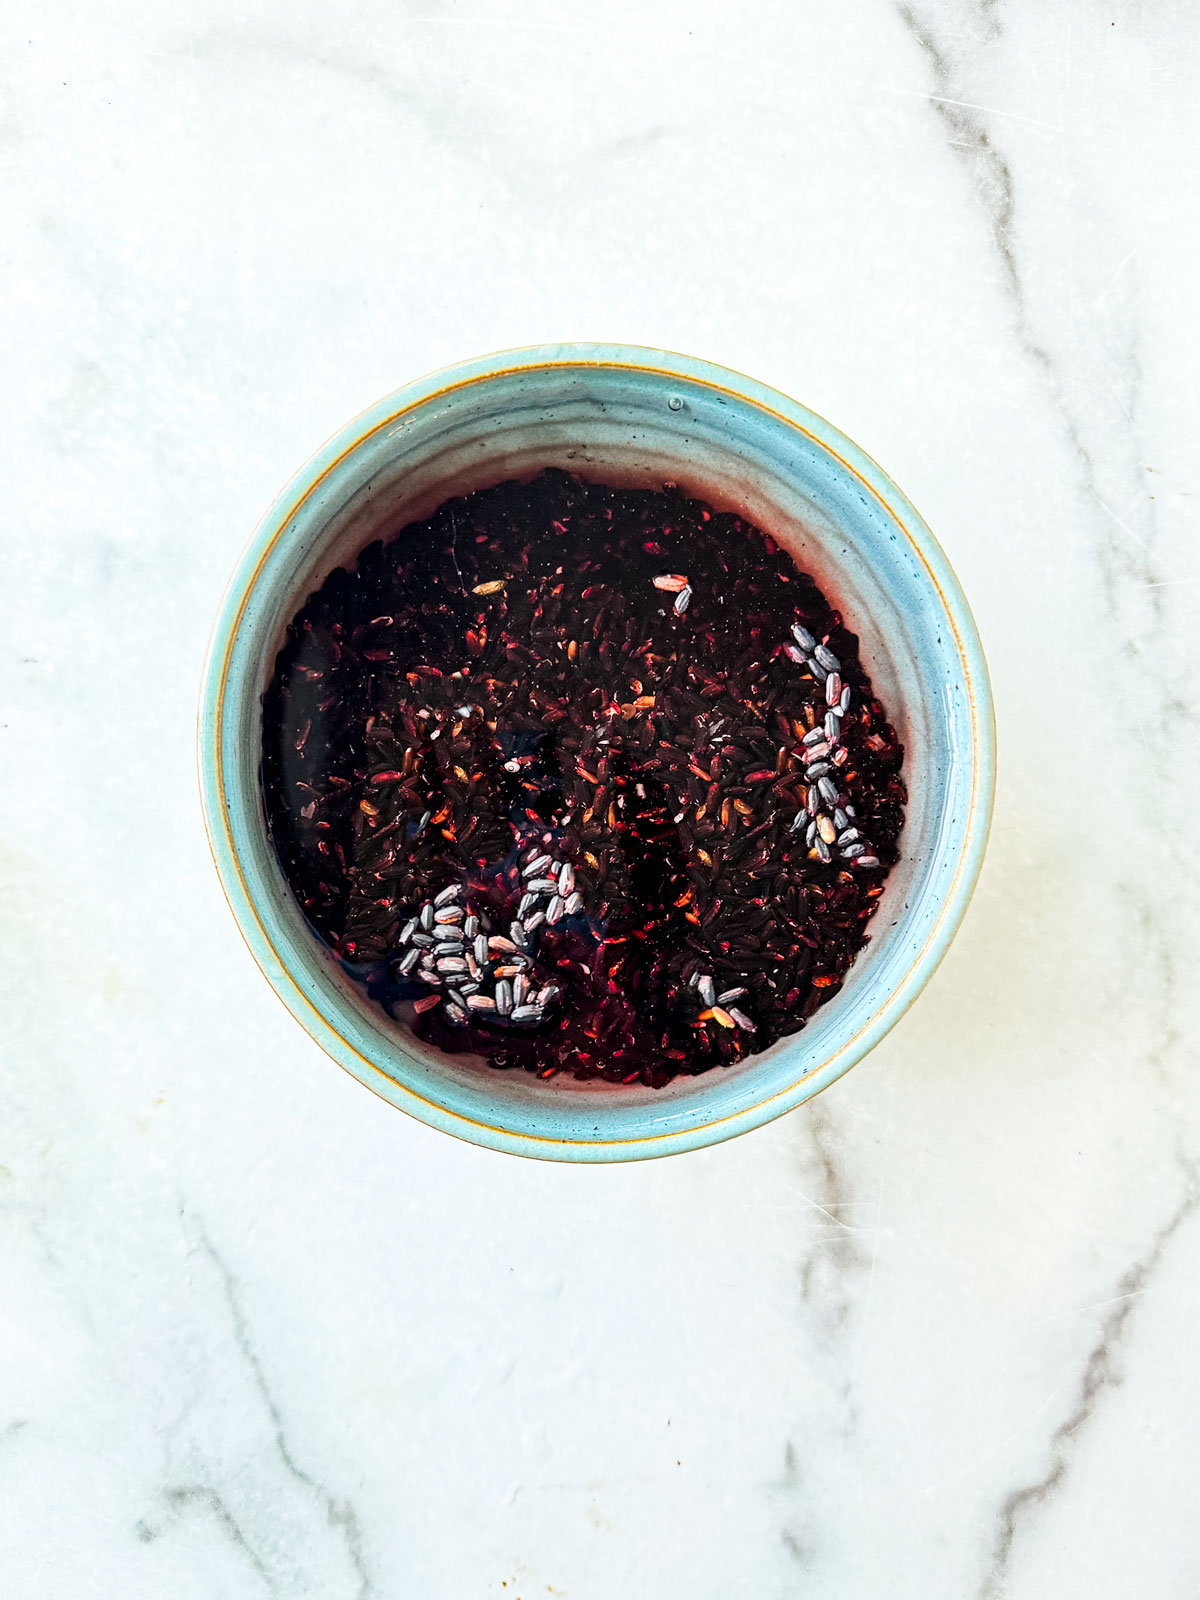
[(585, 1145)]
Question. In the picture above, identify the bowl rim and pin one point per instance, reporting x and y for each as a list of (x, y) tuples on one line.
[(650, 362)]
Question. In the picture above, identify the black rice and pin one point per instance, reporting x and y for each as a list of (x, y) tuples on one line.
[(551, 815)]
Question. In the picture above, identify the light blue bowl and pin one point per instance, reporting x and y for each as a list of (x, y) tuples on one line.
[(624, 415)]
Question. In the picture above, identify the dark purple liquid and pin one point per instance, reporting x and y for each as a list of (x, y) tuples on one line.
[(507, 680)]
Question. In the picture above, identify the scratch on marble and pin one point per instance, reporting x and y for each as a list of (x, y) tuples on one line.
[(826, 1212), (971, 105), (1096, 1305), (939, 1484), (1121, 523), (1101, 1374), (1104, 293), (340, 1513)]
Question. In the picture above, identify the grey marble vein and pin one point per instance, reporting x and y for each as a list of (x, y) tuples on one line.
[(1101, 1374), (185, 1496), (967, 134), (339, 1513), (834, 1278), (834, 1260), (995, 187), (789, 1486)]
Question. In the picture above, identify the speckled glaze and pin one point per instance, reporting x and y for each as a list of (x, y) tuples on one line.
[(635, 416)]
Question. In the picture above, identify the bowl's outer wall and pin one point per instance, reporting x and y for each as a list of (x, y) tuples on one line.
[(638, 416)]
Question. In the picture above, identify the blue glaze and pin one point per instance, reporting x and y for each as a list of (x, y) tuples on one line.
[(619, 414)]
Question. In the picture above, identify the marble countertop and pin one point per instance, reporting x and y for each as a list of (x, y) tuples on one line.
[(931, 1336)]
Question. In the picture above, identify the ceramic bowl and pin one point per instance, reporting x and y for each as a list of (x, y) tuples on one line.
[(630, 416)]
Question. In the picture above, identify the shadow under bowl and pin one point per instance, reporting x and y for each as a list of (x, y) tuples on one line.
[(625, 416)]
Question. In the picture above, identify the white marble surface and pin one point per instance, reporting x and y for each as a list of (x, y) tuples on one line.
[(933, 1336)]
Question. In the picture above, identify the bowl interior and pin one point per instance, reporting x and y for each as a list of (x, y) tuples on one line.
[(632, 425)]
